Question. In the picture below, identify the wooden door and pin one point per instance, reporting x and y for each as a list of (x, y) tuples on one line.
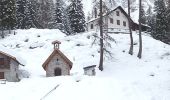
[(57, 72), (1, 75)]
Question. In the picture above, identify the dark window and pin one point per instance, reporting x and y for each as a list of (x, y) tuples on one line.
[(1, 75), (118, 22), (57, 72), (57, 62), (111, 20), (2, 62), (91, 26), (95, 12), (117, 13), (124, 23)]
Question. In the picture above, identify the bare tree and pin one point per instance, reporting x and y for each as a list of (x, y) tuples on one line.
[(101, 38), (130, 30), (140, 35)]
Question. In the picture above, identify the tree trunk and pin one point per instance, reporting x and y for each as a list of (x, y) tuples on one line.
[(101, 38), (3, 35), (140, 35), (130, 30)]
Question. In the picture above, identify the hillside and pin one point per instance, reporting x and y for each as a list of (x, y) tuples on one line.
[(125, 77)]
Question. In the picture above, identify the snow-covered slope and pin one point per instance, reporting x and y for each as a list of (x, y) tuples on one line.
[(125, 77)]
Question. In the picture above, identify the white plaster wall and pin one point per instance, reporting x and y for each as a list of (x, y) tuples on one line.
[(51, 66), (121, 17), (95, 26), (113, 15)]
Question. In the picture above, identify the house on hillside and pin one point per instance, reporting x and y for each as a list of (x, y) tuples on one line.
[(9, 66), (57, 63), (114, 21)]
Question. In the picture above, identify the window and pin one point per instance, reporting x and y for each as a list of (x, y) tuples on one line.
[(117, 13), (95, 12), (2, 62), (91, 26), (118, 22), (124, 23), (111, 20), (1, 75), (57, 62)]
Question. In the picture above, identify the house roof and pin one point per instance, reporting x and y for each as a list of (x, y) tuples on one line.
[(52, 55), (10, 56), (92, 66), (119, 7)]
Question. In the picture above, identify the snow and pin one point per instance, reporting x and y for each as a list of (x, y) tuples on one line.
[(125, 77), (13, 54)]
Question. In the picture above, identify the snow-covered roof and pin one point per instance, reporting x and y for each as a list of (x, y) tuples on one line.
[(13, 55), (118, 7)]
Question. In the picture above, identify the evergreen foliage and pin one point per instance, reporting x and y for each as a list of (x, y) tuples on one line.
[(168, 16), (160, 22), (143, 15), (7, 14), (59, 15), (76, 16), (25, 14)]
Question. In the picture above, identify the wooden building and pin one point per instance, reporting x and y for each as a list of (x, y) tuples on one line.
[(9, 66), (90, 70), (57, 63)]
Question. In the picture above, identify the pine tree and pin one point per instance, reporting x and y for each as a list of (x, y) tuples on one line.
[(143, 15), (59, 15), (35, 13), (7, 15), (10, 14), (76, 16), (150, 19), (28, 21), (168, 15), (20, 13), (46, 12), (67, 23), (160, 23), (2, 15)]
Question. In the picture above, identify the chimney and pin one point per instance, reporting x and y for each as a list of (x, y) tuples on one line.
[(56, 44)]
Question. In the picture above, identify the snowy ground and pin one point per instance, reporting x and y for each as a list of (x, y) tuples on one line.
[(125, 77)]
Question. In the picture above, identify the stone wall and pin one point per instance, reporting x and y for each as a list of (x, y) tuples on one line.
[(53, 64)]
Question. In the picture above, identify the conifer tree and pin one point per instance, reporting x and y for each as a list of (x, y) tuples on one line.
[(7, 15), (150, 19), (30, 16), (160, 22), (20, 13), (168, 16), (76, 16), (44, 13), (143, 15), (59, 15), (67, 23)]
